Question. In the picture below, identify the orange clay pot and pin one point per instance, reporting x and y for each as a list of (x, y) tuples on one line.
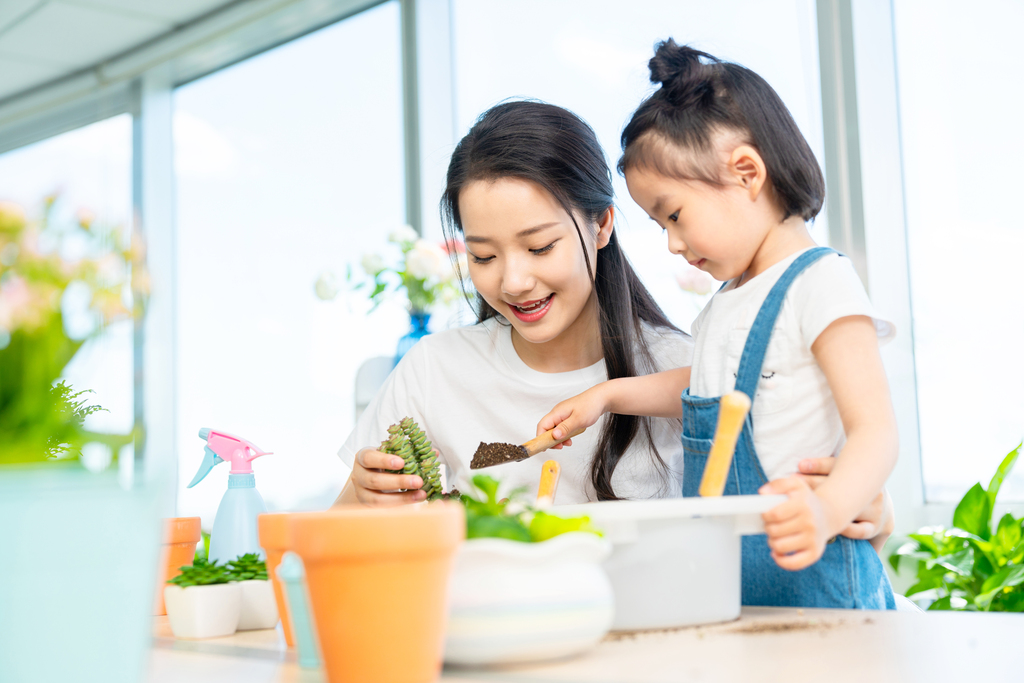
[(180, 535), (273, 532), (378, 587)]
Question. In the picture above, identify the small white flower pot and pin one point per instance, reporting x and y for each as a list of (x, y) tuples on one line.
[(203, 611), (259, 608), (513, 602)]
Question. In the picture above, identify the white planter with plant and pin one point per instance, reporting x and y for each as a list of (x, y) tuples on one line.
[(203, 601), (527, 585), (259, 608)]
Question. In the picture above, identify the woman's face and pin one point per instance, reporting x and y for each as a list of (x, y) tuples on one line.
[(525, 257)]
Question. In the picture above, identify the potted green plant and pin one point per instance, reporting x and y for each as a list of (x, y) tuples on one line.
[(53, 508), (978, 563), (259, 607), (203, 601), (527, 585)]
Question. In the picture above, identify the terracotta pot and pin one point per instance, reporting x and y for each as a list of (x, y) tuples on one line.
[(378, 584), (273, 532), (180, 535)]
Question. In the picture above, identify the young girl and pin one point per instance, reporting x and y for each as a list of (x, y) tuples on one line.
[(715, 158)]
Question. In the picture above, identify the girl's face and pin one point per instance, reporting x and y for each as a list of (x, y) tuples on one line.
[(718, 229), (526, 260)]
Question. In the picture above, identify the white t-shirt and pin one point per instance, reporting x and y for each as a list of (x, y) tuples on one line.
[(468, 385), (794, 412)]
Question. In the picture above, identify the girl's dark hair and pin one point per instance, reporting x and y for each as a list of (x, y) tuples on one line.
[(698, 99), (555, 149)]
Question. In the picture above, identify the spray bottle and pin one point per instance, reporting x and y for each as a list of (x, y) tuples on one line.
[(234, 529)]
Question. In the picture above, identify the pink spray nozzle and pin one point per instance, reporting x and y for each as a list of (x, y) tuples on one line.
[(239, 452), (221, 446)]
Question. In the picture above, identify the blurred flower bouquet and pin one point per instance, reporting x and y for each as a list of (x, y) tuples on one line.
[(83, 274), (424, 270)]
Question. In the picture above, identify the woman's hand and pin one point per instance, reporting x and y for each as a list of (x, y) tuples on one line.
[(578, 412), (875, 522), (371, 484)]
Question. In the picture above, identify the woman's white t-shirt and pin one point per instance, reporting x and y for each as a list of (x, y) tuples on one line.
[(794, 413), (468, 385)]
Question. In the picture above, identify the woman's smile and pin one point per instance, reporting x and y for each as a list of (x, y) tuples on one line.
[(531, 311)]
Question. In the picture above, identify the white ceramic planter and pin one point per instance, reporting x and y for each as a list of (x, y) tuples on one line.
[(259, 608), (515, 602), (203, 611), (676, 562)]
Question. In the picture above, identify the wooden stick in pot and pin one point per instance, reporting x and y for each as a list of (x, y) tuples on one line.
[(732, 413), (548, 483)]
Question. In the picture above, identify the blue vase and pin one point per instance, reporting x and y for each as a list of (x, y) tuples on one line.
[(419, 321)]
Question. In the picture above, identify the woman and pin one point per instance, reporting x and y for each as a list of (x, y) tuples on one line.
[(560, 309)]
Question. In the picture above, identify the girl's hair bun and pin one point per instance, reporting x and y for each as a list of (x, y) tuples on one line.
[(674, 64)]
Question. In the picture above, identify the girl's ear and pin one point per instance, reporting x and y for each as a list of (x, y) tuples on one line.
[(747, 167), (604, 228)]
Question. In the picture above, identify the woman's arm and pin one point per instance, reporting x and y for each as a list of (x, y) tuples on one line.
[(655, 395), (847, 352)]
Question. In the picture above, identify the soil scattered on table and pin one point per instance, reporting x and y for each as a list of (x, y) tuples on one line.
[(491, 454), (784, 626)]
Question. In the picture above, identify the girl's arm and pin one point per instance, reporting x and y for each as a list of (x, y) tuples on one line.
[(847, 352), (654, 395), (875, 523)]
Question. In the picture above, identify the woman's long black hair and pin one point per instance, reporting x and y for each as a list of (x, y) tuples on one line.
[(558, 151)]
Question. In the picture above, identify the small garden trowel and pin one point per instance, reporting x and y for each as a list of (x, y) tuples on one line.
[(491, 454)]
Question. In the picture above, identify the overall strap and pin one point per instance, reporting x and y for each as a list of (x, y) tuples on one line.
[(760, 334)]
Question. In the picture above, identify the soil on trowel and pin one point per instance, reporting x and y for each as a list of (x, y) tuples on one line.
[(491, 454)]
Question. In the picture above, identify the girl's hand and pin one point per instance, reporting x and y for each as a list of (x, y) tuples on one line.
[(875, 522), (370, 484), (797, 529), (578, 412)]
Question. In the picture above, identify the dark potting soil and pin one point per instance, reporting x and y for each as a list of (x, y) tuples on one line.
[(491, 454)]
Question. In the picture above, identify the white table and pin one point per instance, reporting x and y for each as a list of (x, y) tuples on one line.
[(765, 644)]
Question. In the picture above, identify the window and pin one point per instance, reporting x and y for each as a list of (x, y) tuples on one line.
[(287, 164), (89, 171), (591, 57), (960, 135)]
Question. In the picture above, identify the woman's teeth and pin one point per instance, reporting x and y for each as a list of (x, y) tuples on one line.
[(531, 307)]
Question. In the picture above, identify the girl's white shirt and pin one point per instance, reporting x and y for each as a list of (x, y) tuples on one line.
[(468, 385), (794, 413)]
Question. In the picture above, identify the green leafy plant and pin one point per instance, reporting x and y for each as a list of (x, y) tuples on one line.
[(248, 567), (203, 573), (488, 517), (975, 565), (41, 416)]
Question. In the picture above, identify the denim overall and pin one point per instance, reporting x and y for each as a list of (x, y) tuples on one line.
[(849, 574)]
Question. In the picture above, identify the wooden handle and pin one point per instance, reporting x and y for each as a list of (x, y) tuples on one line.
[(732, 412), (546, 441), (548, 483)]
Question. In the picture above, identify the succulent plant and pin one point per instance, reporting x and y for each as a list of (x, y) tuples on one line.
[(409, 442), (247, 567), (202, 573)]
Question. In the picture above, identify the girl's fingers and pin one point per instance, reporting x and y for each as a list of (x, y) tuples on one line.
[(783, 512), (787, 527), (796, 561), (790, 544)]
